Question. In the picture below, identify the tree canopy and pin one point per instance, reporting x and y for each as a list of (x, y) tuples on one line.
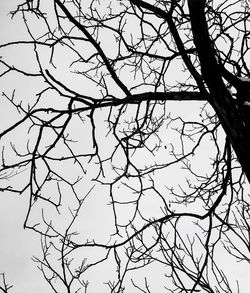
[(126, 128)]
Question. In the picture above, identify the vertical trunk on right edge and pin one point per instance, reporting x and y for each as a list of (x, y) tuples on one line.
[(221, 100)]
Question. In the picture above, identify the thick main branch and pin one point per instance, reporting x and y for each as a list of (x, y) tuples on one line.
[(220, 98)]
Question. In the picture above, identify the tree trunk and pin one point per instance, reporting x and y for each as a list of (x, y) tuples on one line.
[(220, 98)]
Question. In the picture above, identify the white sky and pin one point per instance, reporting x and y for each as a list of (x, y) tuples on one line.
[(18, 246)]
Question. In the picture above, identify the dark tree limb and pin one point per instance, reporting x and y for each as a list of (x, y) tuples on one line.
[(220, 97)]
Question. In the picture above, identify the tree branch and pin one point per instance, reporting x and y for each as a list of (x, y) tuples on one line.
[(220, 97)]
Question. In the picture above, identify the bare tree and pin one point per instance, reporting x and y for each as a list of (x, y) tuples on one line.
[(128, 130)]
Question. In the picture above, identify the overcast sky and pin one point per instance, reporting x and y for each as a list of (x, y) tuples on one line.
[(17, 246)]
